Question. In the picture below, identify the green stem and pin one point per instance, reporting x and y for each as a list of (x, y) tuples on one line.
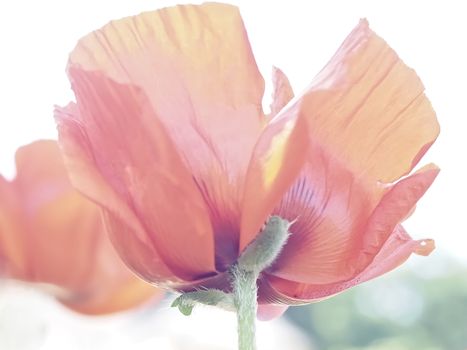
[(256, 257), (245, 299)]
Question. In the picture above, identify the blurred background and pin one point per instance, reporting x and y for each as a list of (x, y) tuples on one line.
[(422, 305)]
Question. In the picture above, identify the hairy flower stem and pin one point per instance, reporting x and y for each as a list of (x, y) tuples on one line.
[(256, 257), (245, 299)]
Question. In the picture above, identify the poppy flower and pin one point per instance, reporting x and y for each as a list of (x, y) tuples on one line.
[(52, 236), (168, 135)]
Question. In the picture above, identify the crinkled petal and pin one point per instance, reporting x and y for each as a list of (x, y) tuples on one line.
[(195, 65), (368, 124), (367, 108), (397, 249)]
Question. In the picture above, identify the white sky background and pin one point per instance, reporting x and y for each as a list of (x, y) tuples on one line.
[(297, 36)]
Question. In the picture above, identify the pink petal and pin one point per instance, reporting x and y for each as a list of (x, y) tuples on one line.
[(368, 109), (331, 207), (131, 239), (394, 252), (196, 67)]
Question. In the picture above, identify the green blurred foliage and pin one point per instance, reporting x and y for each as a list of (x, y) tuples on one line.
[(404, 310)]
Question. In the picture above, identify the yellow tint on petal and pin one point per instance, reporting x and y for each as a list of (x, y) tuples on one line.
[(275, 158), (276, 161)]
